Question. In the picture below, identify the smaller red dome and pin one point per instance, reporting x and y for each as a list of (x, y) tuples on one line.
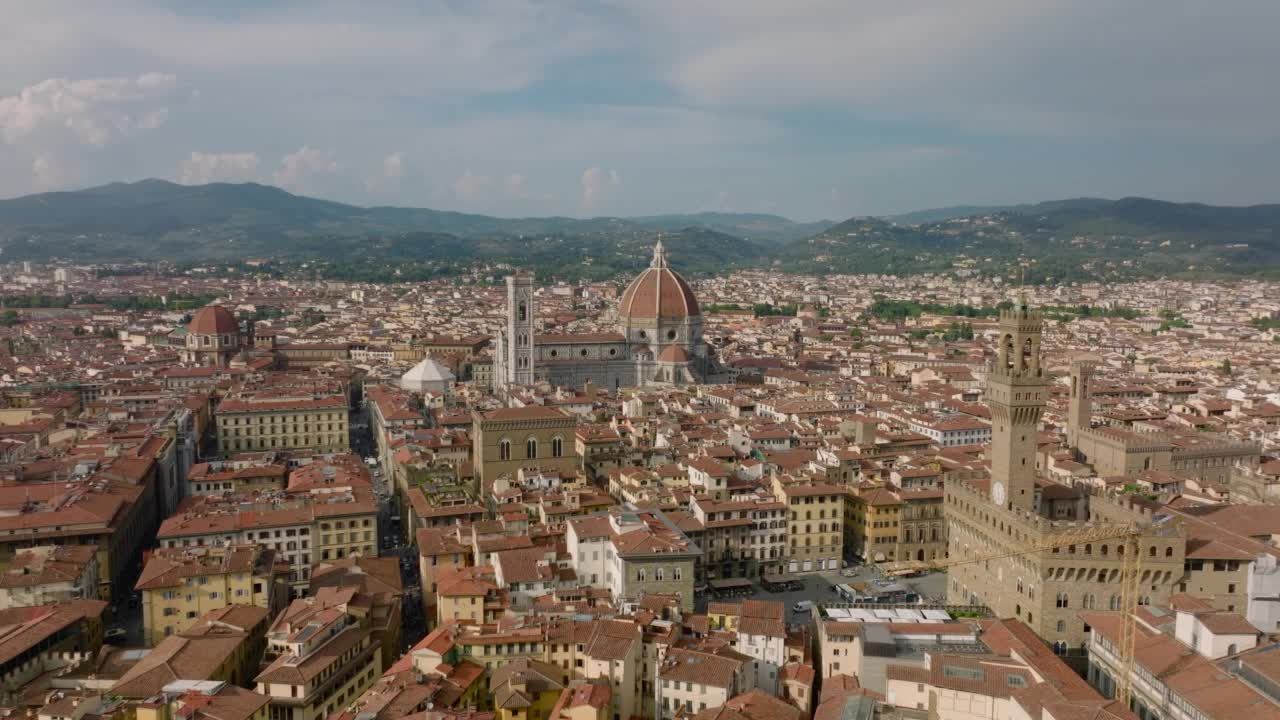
[(213, 320), (673, 354)]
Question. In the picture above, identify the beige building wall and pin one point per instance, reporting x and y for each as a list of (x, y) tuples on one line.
[(318, 697), (839, 649), (815, 526), (169, 611), (346, 536), (324, 429), (623, 677), (947, 704)]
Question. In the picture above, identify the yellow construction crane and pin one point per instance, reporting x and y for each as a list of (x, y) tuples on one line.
[(1131, 571)]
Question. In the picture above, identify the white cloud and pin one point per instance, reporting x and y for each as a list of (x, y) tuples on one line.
[(386, 179), (299, 169), (393, 166), (48, 172), (488, 45), (469, 186), (44, 121), (516, 186), (204, 167), (93, 111), (1006, 66), (597, 184)]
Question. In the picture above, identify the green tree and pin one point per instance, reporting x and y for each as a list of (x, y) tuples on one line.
[(1226, 366), (10, 318)]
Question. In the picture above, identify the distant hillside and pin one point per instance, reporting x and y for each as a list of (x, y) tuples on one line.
[(1063, 240), (933, 215), (155, 214), (1083, 238), (773, 228)]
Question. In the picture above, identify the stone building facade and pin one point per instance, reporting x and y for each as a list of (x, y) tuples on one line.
[(1044, 589), (507, 440), (1120, 451)]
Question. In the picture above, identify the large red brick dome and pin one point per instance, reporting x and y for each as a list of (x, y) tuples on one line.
[(213, 320), (659, 292)]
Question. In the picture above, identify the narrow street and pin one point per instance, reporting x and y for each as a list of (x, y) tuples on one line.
[(389, 544)]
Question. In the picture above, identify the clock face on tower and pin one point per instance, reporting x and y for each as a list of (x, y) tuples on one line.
[(997, 493)]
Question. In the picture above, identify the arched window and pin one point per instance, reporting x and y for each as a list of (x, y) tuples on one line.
[(1168, 552), (659, 574), (1114, 603), (531, 448), (1088, 601), (504, 449), (1061, 626), (522, 312), (1152, 551), (1062, 600), (640, 575), (1231, 649), (557, 446)]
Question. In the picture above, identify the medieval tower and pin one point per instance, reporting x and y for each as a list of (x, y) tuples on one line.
[(1016, 390), (1080, 407), (518, 363)]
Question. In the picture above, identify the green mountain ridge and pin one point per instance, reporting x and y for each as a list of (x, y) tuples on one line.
[(148, 207), (1062, 240)]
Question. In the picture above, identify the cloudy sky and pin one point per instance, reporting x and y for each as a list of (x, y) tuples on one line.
[(805, 108)]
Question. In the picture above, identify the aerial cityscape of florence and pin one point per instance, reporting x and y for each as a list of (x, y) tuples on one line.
[(639, 360)]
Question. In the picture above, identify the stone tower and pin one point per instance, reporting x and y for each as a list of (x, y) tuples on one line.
[(519, 345), (1080, 407), (1016, 392)]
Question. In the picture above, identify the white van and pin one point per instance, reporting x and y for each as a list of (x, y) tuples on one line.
[(803, 606)]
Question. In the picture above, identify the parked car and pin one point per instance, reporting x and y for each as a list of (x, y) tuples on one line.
[(802, 606)]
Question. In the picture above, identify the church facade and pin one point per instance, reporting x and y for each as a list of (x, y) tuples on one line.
[(658, 340)]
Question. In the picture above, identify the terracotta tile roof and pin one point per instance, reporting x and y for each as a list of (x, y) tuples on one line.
[(177, 657), (22, 629), (681, 665)]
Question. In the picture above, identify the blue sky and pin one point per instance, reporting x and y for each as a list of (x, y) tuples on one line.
[(619, 107)]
